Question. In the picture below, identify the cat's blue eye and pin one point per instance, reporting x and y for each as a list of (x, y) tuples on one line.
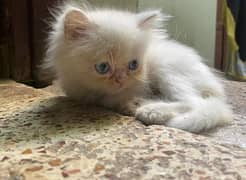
[(102, 68), (133, 65)]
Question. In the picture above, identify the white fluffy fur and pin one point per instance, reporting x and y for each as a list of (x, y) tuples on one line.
[(174, 88)]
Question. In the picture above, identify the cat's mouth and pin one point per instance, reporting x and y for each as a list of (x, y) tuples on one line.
[(118, 89)]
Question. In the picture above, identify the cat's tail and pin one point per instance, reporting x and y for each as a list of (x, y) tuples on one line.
[(197, 116), (204, 114)]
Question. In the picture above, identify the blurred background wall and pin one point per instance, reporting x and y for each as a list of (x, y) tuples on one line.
[(194, 23)]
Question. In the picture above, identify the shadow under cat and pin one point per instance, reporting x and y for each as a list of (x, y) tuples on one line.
[(56, 117)]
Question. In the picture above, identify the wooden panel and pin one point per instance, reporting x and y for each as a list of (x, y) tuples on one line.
[(40, 17), (4, 60), (219, 37), (21, 62), (4, 40), (225, 50)]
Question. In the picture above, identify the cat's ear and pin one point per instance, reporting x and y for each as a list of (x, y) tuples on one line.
[(76, 24), (150, 19)]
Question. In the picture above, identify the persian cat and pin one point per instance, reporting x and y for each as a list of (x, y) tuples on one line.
[(126, 62)]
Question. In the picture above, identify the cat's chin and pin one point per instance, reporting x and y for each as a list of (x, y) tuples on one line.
[(117, 90)]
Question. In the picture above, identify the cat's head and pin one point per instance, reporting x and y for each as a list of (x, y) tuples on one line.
[(104, 49)]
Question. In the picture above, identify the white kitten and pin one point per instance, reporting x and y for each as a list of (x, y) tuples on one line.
[(125, 62)]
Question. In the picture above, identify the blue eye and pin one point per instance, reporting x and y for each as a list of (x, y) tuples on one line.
[(133, 65), (102, 68)]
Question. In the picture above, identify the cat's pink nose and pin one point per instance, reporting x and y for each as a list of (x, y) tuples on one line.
[(120, 77)]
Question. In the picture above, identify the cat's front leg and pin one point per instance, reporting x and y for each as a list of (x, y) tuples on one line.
[(129, 108), (159, 113)]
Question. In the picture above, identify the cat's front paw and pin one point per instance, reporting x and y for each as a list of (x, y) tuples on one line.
[(152, 114), (130, 108)]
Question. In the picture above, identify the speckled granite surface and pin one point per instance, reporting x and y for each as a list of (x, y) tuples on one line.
[(45, 136)]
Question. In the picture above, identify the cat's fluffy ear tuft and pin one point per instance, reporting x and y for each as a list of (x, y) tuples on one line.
[(151, 19), (76, 24)]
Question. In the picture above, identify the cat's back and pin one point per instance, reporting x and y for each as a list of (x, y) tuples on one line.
[(169, 56), (171, 52)]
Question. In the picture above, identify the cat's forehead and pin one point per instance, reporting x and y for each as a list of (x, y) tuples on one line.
[(114, 54), (115, 25), (112, 17)]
